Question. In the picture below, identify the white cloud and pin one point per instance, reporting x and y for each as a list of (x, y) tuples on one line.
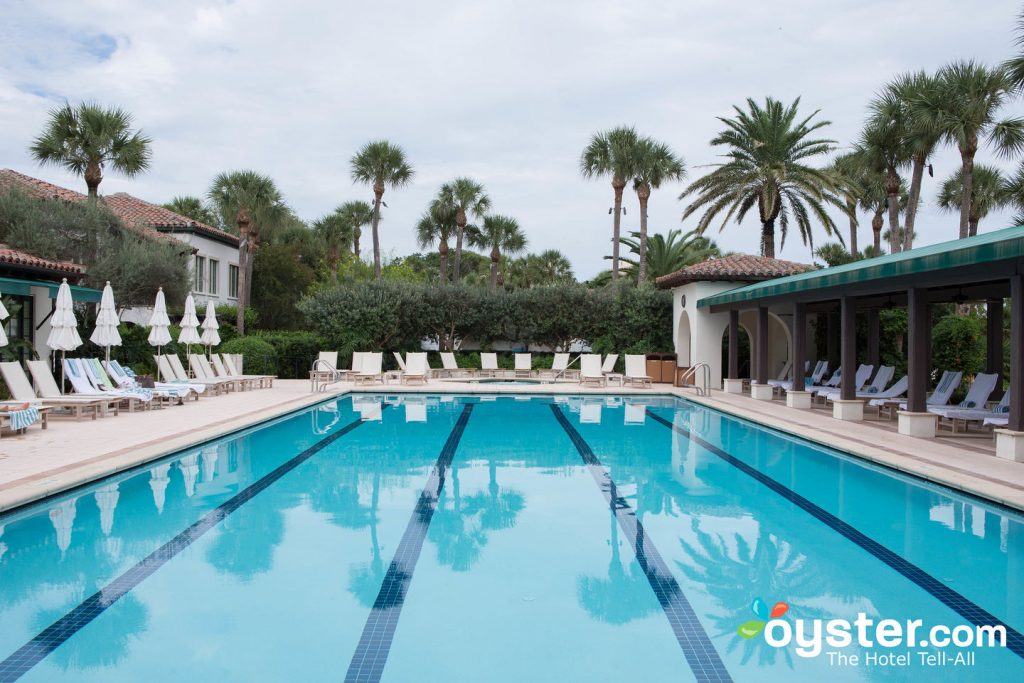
[(505, 92)]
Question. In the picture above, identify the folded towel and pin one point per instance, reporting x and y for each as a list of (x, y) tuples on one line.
[(967, 404), (23, 418), (872, 390)]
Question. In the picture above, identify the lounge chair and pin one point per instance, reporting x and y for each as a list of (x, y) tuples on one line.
[(371, 369), (832, 381), (325, 369), (998, 415), (84, 385), (559, 368), (450, 366), (232, 370), (416, 368), (489, 365), (636, 371), (820, 368), (524, 365), (204, 373), (948, 383), (19, 416), (608, 368), (977, 395), (126, 379), (49, 394), (173, 363), (399, 360), (882, 378), (102, 380), (590, 370)]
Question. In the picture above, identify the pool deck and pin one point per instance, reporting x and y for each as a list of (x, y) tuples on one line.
[(68, 454)]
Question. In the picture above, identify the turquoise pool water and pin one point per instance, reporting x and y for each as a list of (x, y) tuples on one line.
[(427, 538)]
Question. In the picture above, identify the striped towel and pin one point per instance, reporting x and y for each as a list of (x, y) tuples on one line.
[(23, 418)]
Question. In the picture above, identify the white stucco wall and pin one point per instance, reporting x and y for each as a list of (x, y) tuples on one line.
[(224, 254)]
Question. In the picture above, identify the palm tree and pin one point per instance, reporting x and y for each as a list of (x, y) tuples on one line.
[(251, 201), (919, 139), (1013, 191), (89, 138), (380, 164), (1015, 66), (357, 213), (465, 197), (850, 167), (655, 163), (334, 232), (612, 153), (988, 193), (534, 270), (963, 110), (502, 235), (882, 149), (192, 207), (437, 224), (768, 151), (668, 253)]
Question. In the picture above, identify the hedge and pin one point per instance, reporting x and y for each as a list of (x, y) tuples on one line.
[(260, 356)]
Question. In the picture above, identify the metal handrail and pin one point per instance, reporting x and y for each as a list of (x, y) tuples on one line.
[(703, 389), (321, 366)]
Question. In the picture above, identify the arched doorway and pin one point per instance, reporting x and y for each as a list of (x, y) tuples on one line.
[(746, 350), (684, 340)]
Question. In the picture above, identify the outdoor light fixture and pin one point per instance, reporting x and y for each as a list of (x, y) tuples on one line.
[(889, 304), (960, 298)]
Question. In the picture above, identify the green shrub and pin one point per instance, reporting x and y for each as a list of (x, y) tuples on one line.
[(958, 344), (260, 355), (296, 350)]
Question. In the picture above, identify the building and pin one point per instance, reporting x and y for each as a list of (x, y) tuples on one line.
[(701, 336), (29, 285), (214, 267)]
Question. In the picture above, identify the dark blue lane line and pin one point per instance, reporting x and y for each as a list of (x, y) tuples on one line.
[(697, 647), (48, 640), (962, 605), (371, 653)]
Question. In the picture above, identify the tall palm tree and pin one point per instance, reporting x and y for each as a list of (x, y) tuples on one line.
[(855, 176), (334, 232), (192, 207), (655, 163), (1015, 66), (920, 139), (357, 213), (883, 148), (534, 270), (90, 138), (250, 201), (465, 197), (767, 166), (437, 224), (502, 235), (963, 110), (988, 193), (1013, 191), (612, 153), (668, 253), (380, 164)]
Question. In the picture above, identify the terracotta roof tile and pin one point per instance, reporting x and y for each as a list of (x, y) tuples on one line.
[(734, 268), (15, 257), (136, 210)]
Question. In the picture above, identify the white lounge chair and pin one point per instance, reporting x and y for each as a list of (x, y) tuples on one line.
[(636, 371), (590, 370), (820, 368), (103, 381), (325, 367), (204, 372), (217, 386), (416, 368), (882, 378), (127, 380), (49, 394), (948, 383), (489, 365), (524, 365), (998, 415), (559, 368), (232, 370), (977, 396), (401, 361), (371, 368), (84, 385)]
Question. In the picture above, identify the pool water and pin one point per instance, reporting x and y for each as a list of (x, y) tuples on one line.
[(440, 538)]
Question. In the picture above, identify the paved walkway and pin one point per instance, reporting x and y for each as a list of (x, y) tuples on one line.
[(71, 453)]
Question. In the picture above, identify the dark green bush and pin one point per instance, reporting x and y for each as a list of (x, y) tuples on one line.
[(260, 355), (296, 350), (958, 344)]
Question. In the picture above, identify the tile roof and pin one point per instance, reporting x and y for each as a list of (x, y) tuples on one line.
[(133, 209), (734, 268), (139, 216), (15, 257)]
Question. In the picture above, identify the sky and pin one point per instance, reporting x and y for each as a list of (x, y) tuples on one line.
[(508, 93)]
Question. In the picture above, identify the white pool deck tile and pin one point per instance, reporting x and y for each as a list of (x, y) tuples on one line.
[(40, 463)]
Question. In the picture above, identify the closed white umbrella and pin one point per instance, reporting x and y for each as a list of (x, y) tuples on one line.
[(189, 326), (3, 316), (159, 335), (106, 334), (63, 335), (210, 326)]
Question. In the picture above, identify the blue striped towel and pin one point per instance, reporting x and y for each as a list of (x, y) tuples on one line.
[(23, 418)]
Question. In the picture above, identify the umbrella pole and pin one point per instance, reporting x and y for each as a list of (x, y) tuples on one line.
[(62, 378), (158, 349)]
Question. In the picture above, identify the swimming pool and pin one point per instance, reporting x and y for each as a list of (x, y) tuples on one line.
[(443, 538)]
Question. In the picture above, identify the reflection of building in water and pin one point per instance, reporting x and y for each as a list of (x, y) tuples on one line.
[(158, 480), (106, 499), (209, 456), (63, 518), (189, 466)]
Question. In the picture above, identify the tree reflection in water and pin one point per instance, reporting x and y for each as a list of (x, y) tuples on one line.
[(608, 599), (115, 628)]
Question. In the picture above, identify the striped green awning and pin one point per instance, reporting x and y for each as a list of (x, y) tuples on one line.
[(10, 285), (998, 245)]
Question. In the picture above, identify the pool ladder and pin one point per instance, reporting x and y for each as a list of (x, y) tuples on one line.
[(703, 384), (320, 368)]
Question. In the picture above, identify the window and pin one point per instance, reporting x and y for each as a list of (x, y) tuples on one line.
[(200, 271), (232, 281), (214, 276)]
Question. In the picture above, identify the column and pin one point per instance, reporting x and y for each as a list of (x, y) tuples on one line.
[(1010, 441), (848, 406), (832, 340), (733, 383), (916, 420), (994, 338), (797, 397), (874, 333), (759, 388)]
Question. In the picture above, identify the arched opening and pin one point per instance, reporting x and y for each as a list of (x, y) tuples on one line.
[(683, 340), (745, 351)]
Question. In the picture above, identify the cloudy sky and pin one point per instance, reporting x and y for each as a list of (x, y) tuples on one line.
[(505, 92)]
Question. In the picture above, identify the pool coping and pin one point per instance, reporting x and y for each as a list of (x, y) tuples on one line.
[(33, 488)]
